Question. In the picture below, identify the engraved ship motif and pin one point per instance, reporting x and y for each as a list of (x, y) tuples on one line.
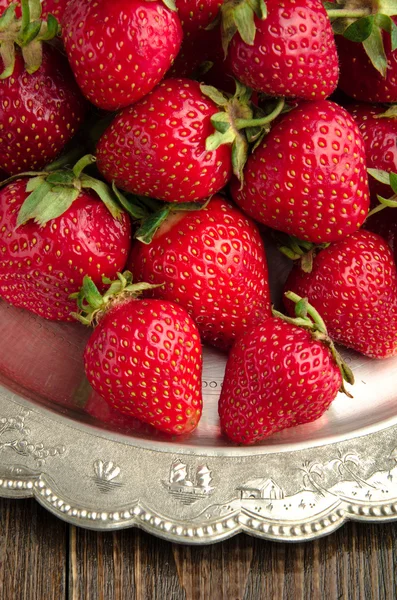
[(186, 490), (105, 475)]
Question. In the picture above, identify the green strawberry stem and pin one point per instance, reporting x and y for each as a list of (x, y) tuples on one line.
[(92, 305), (239, 123), (348, 14), (384, 203), (259, 122), (364, 21), (357, 9), (82, 163), (27, 34), (304, 309), (308, 318), (52, 192)]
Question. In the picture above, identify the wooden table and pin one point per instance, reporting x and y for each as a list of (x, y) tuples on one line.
[(42, 558)]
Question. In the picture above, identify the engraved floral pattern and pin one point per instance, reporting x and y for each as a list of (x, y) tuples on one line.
[(22, 444)]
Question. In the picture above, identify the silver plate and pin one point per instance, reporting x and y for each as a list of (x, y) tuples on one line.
[(301, 484)]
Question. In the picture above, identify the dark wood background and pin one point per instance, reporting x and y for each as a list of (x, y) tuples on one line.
[(43, 558)]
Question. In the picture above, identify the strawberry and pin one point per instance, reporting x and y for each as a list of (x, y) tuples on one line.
[(379, 130), (158, 146), (112, 418), (308, 177), (196, 15), (280, 375), (213, 263), (73, 233), (144, 356), (360, 79), (53, 7), (354, 284), (281, 48), (41, 106), (43, 111), (120, 49)]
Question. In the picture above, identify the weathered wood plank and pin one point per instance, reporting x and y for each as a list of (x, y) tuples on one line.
[(33, 559), (39, 559)]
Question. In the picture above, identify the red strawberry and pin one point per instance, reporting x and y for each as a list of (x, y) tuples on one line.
[(279, 375), (144, 357), (41, 106), (120, 49), (53, 7), (196, 15), (100, 410), (354, 284), (213, 263), (39, 113), (308, 177), (360, 79), (380, 134), (42, 263), (157, 147), (288, 50)]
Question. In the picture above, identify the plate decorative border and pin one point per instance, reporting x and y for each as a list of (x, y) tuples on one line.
[(99, 481)]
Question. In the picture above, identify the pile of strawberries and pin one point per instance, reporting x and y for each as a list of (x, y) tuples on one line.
[(147, 151)]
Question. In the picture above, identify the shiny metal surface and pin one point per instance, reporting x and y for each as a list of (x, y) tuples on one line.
[(43, 362), (199, 489)]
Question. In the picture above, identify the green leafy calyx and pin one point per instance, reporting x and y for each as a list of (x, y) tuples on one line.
[(239, 123), (298, 250), (390, 113), (364, 21), (92, 304), (239, 16), (389, 179), (27, 34), (308, 318), (150, 214), (51, 193)]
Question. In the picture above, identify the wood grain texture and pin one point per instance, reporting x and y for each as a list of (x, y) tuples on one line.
[(356, 562), (41, 558), (126, 565), (33, 561)]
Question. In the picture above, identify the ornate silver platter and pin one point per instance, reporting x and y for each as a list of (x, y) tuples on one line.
[(300, 484)]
